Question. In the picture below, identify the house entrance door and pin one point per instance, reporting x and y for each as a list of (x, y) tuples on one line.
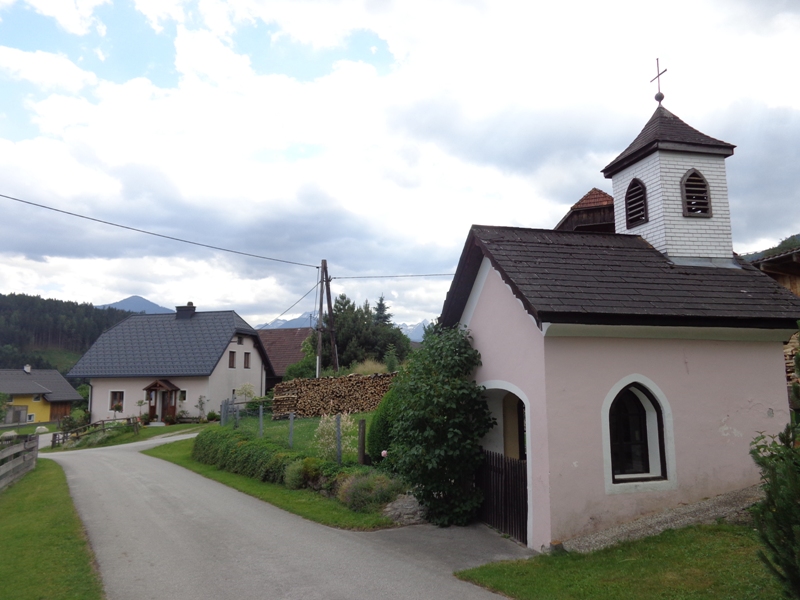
[(167, 404), (151, 406), (504, 482)]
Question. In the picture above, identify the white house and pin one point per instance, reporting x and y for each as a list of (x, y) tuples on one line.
[(168, 361)]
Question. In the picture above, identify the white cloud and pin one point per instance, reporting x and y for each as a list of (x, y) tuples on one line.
[(158, 11), (75, 16), (532, 101), (44, 69)]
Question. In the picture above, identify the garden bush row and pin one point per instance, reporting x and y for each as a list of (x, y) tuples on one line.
[(360, 488), (241, 452)]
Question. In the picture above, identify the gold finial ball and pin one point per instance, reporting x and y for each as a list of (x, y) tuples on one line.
[(659, 97)]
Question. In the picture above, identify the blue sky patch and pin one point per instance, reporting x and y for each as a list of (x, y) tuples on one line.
[(285, 56), (130, 46)]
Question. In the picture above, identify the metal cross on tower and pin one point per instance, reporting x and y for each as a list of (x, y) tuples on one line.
[(659, 73)]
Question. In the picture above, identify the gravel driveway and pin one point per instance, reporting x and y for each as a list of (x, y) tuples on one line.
[(162, 532)]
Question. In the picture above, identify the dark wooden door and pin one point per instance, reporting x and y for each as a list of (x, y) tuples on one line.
[(504, 482)]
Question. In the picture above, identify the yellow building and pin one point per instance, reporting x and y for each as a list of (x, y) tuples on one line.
[(36, 395)]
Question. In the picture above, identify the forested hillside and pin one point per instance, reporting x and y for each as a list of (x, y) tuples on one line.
[(31, 327)]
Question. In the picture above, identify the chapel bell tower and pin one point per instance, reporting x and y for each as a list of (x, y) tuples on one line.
[(670, 188)]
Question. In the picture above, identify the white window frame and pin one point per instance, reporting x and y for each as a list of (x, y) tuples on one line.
[(111, 400), (31, 417), (670, 482)]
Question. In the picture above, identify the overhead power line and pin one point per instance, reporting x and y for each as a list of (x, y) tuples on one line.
[(160, 235), (394, 276), (295, 304)]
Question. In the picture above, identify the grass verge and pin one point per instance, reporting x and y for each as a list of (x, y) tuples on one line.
[(305, 503), (698, 562), (45, 552), (145, 433)]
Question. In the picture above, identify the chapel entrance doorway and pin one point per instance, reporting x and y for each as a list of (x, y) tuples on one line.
[(503, 478)]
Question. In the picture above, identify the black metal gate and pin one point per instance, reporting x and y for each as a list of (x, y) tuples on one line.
[(504, 482)]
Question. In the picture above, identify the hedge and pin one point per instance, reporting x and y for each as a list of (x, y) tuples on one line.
[(241, 452)]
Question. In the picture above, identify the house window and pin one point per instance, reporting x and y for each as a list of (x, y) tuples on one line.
[(31, 416), (239, 340), (232, 359), (635, 204), (37, 398), (636, 432), (246, 360), (694, 191), (117, 400), (182, 396)]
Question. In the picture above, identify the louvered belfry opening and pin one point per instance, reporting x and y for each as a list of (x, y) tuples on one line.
[(696, 200), (635, 204)]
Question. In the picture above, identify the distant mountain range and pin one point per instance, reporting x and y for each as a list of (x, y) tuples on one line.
[(309, 319), (137, 304)]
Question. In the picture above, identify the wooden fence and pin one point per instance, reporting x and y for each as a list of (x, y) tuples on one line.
[(17, 457), (504, 482), (59, 437)]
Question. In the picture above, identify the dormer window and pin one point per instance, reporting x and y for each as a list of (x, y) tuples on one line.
[(635, 204), (696, 199)]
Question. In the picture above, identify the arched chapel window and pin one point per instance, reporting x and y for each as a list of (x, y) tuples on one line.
[(635, 204), (694, 191), (636, 431)]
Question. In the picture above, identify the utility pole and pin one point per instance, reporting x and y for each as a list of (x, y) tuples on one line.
[(325, 288), (332, 328), (319, 320)]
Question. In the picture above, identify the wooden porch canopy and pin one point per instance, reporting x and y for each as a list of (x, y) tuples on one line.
[(162, 385)]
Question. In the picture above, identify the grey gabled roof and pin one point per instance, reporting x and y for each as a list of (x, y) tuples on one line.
[(163, 345), (39, 381), (665, 131), (606, 278)]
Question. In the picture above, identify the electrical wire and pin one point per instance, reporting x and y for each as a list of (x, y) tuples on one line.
[(161, 235), (316, 285), (394, 276)]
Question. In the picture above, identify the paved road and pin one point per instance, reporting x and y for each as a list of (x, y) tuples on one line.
[(162, 532)]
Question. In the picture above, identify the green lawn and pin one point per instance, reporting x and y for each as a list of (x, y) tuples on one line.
[(303, 434), (126, 435), (45, 552), (305, 503), (28, 429), (701, 562)]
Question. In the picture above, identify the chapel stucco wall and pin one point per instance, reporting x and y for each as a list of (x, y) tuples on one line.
[(512, 353), (720, 393)]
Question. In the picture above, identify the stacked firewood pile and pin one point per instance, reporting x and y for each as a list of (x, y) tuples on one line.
[(331, 395), (789, 350)]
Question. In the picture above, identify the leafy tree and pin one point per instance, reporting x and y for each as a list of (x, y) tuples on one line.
[(306, 368), (777, 517), (440, 424), (360, 335)]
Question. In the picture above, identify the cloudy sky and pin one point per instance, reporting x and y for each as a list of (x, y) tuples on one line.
[(369, 133)]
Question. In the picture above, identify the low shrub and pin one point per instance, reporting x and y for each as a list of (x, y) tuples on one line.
[(379, 436), (293, 476), (325, 436), (366, 491), (241, 452), (212, 416)]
